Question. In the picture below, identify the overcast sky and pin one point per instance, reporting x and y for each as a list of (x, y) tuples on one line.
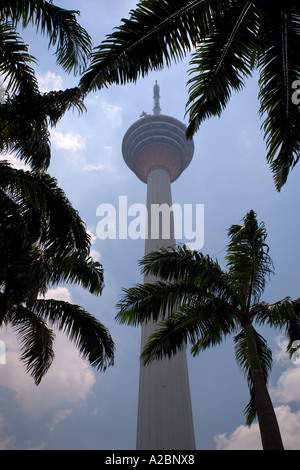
[(76, 407)]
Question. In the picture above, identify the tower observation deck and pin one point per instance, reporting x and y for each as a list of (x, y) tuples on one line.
[(156, 150), (157, 141)]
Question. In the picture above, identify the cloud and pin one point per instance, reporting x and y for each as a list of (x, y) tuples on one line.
[(109, 111), (58, 293), (14, 161), (289, 424), (93, 167), (7, 441), (112, 112), (68, 381), (244, 140), (93, 252), (283, 393), (74, 143), (50, 81), (67, 141), (60, 416), (280, 354), (244, 438), (287, 388), (107, 157)]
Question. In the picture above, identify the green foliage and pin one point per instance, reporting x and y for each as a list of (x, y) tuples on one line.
[(166, 29), (26, 113), (15, 63), (195, 302), (73, 44), (44, 242), (24, 122)]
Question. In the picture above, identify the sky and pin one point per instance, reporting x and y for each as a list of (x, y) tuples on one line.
[(78, 408)]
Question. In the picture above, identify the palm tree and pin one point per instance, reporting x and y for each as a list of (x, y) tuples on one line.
[(228, 40), (73, 43), (24, 123), (26, 113), (196, 301), (43, 242)]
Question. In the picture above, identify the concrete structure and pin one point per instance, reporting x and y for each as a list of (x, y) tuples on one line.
[(156, 150)]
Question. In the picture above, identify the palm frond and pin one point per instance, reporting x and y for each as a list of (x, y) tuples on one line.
[(25, 276), (167, 29), (66, 231), (22, 265), (222, 62), (53, 105), (24, 121), (15, 63), (78, 270), (217, 319), (14, 231), (276, 315), (283, 315), (279, 63), (247, 258), (153, 301), (86, 332), (169, 337), (203, 322), (35, 338), (181, 264), (73, 43), (23, 136)]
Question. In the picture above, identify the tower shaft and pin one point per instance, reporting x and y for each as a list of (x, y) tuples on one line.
[(164, 410)]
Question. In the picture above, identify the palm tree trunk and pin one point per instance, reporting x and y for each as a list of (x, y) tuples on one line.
[(268, 425)]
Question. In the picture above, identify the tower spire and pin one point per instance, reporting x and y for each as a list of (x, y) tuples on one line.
[(156, 109)]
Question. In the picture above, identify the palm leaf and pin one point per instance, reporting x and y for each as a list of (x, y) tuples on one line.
[(284, 315), (166, 29), (153, 301), (169, 337), (73, 44), (276, 315), (15, 63), (24, 123), (36, 340), (23, 136), (88, 334), (222, 62), (78, 270), (203, 321), (247, 259), (53, 105), (65, 230), (217, 318), (279, 63), (14, 224), (182, 264)]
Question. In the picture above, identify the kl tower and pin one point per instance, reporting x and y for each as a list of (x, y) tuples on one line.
[(156, 150)]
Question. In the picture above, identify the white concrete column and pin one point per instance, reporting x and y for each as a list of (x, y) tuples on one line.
[(164, 411)]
